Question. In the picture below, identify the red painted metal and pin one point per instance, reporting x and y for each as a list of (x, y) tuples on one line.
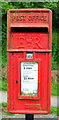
[(29, 31)]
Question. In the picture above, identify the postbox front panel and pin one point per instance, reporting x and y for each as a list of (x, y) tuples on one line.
[(29, 61)]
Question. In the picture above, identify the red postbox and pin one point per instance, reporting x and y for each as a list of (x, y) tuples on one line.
[(29, 47)]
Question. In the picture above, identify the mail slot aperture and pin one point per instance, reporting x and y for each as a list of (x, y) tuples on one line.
[(27, 29)]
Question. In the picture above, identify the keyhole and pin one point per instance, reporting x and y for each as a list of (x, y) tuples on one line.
[(16, 81)]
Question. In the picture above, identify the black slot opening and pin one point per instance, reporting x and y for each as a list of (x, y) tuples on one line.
[(21, 29)]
